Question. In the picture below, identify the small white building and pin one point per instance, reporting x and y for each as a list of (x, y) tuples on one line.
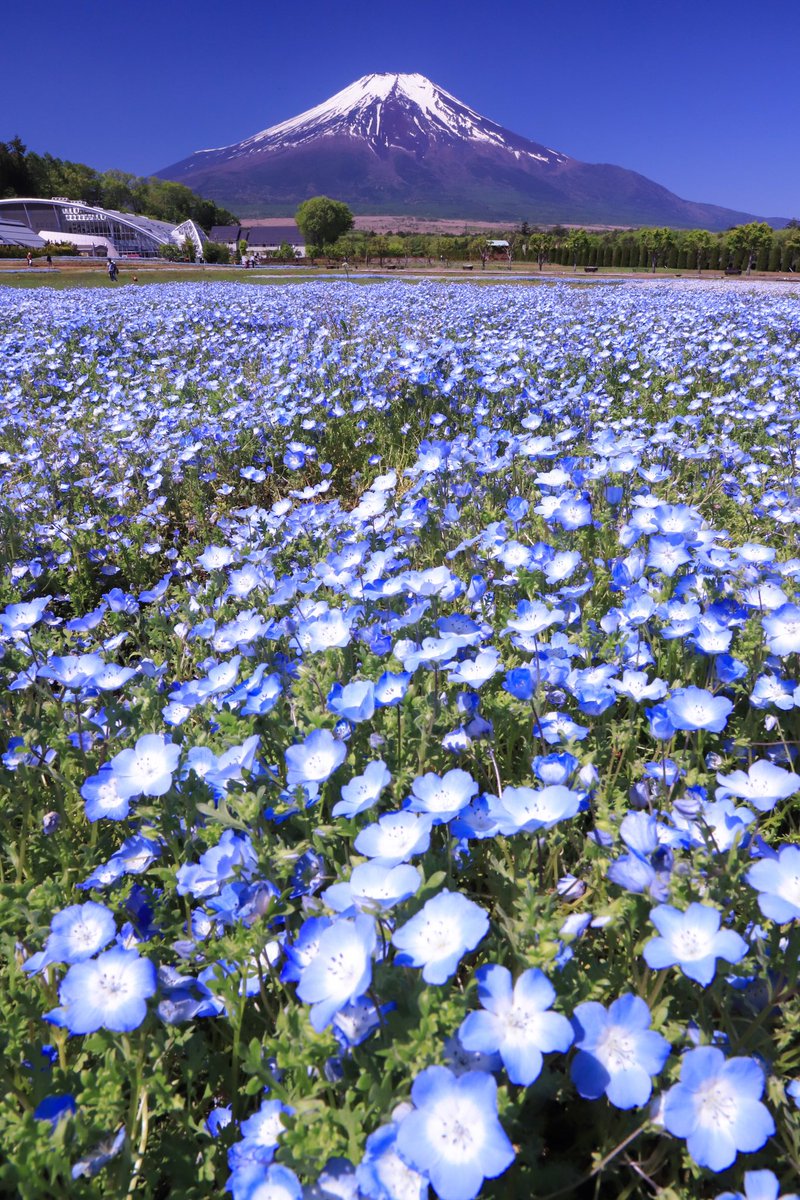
[(263, 240)]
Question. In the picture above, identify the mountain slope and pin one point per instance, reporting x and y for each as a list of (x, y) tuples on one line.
[(400, 144)]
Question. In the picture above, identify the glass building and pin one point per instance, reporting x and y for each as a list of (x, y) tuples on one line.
[(98, 231)]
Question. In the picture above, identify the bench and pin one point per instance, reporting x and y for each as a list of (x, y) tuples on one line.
[(590, 270), (733, 270)]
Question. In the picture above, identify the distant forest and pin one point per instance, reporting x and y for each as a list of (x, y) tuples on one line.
[(24, 173)]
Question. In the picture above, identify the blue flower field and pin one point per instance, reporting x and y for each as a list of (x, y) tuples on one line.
[(399, 732)]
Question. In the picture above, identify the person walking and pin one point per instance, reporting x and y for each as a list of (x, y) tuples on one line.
[(112, 270), (29, 259)]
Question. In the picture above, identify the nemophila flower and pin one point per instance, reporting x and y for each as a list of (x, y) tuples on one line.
[(475, 672), (772, 691), (647, 868), (763, 784), (459, 1060), (777, 881), (782, 627), (391, 688), (103, 797), (667, 554), (73, 671), (55, 1109), (17, 619), (693, 941), (354, 1023), (618, 1052), (218, 1119), (759, 1185), (515, 1021), (214, 558), (255, 1181), (516, 508), (523, 809), (477, 820), (266, 1126), (533, 617), (728, 669), (299, 953), (637, 687), (146, 768), (717, 1107), (233, 852), (308, 874), (442, 796), (102, 1154), (355, 701), (454, 1136), (364, 791), (555, 727), (573, 512), (383, 1175), (718, 824), (76, 933), (108, 992), (132, 858), (437, 937), (326, 632), (341, 969), (373, 886), (111, 676), (315, 759), (562, 565), (520, 682), (554, 769), (693, 708), (395, 837)]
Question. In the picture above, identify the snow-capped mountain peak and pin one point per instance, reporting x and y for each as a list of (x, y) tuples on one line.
[(400, 145), (390, 111)]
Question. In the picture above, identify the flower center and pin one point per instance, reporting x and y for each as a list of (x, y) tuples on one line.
[(789, 888), (691, 945), (716, 1107), (456, 1131), (616, 1049)]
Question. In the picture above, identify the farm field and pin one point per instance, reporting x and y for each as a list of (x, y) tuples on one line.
[(399, 730)]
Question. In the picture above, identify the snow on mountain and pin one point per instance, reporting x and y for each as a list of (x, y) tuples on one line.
[(388, 111), (400, 145)]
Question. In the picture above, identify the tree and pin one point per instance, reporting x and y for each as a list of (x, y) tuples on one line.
[(698, 243), (477, 249), (216, 252), (751, 238), (540, 244), (577, 244), (657, 242), (322, 220), (791, 250)]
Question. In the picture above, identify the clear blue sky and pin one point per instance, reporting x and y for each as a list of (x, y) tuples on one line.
[(699, 95)]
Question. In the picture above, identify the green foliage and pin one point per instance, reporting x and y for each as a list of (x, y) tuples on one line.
[(172, 253), (215, 252), (322, 220), (24, 173)]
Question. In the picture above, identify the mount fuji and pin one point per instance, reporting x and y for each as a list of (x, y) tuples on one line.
[(399, 144)]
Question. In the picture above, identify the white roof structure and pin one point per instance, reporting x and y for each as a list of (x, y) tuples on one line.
[(12, 233), (88, 226)]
